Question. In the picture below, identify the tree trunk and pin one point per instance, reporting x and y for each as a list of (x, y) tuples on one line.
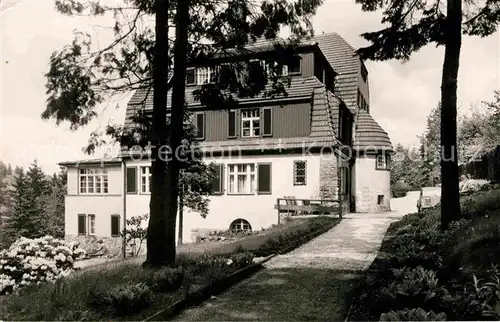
[(450, 196), (157, 241), (181, 215), (176, 124)]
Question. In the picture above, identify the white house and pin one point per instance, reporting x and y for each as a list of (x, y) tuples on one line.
[(318, 142)]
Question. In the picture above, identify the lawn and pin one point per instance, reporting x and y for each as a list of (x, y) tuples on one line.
[(423, 273), (292, 294), (125, 291)]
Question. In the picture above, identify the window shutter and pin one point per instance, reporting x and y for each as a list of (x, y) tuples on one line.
[(231, 133), (115, 225), (218, 182), (200, 126), (264, 178), (131, 180), (81, 224), (267, 121)]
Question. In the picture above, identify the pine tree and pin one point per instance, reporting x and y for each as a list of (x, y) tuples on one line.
[(53, 206), (24, 218)]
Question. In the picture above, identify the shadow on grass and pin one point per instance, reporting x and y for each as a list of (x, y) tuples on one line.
[(290, 294)]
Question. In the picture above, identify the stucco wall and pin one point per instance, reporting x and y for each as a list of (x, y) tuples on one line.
[(258, 210), (369, 184), (101, 206)]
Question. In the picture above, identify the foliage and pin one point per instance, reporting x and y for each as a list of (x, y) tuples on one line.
[(32, 261), (480, 130), (24, 219), (122, 300), (36, 205), (135, 233), (241, 260), (167, 279), (417, 314), (405, 274), (399, 189)]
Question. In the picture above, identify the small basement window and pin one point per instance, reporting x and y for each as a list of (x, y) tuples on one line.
[(240, 225)]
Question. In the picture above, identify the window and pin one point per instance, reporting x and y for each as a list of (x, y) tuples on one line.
[(381, 162), (293, 66), (145, 179), (93, 181), (82, 226), (250, 123), (132, 180), (240, 225), (203, 75), (299, 173), (217, 183), (115, 225), (241, 178), (266, 67), (91, 224), (190, 76), (380, 199)]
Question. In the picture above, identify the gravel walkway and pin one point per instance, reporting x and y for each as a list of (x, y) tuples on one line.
[(351, 245)]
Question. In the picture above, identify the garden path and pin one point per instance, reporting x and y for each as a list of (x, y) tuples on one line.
[(311, 282)]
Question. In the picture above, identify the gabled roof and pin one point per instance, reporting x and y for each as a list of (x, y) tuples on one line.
[(370, 135)]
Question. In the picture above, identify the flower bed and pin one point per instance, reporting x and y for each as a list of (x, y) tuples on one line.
[(128, 292), (32, 261), (425, 274)]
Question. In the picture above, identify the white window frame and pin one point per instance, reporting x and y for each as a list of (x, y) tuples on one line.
[(250, 115), (203, 75), (381, 162), (296, 176), (242, 170), (239, 225), (91, 223), (145, 176), (93, 181)]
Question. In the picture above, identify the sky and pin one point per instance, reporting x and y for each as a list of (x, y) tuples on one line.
[(401, 94)]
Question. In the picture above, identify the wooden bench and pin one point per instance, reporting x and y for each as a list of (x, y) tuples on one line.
[(293, 206)]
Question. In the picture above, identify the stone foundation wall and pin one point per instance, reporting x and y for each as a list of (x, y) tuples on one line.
[(329, 177), (98, 246)]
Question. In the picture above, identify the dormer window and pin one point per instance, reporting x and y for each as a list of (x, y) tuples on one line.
[(293, 66)]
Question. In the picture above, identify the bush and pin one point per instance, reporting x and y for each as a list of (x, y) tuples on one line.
[(241, 260), (32, 261), (413, 288), (166, 279), (122, 300), (399, 189), (412, 315)]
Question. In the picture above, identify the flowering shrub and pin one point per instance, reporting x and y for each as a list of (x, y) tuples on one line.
[(32, 261)]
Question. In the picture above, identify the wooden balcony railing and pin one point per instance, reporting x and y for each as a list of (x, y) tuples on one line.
[(298, 207)]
